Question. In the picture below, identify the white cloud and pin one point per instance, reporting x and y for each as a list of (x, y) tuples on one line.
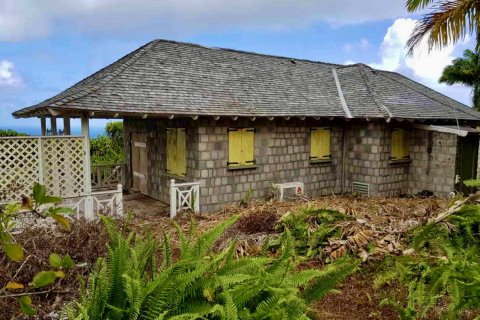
[(8, 76), (362, 44), (23, 19), (424, 66)]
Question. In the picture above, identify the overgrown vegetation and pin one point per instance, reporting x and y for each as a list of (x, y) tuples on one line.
[(201, 284), (108, 148), (311, 228), (444, 268), (43, 206)]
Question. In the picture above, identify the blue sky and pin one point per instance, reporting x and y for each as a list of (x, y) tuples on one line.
[(48, 45)]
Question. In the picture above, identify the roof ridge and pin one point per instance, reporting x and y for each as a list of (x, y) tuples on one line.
[(455, 109), (371, 88), (249, 52), (340, 95)]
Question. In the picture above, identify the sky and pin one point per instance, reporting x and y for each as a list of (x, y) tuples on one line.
[(49, 45)]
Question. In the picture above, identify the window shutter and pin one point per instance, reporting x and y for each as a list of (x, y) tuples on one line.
[(248, 136), (181, 148), (234, 147), (176, 151), (399, 145), (171, 151), (320, 144)]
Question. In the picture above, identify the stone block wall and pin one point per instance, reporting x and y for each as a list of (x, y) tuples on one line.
[(158, 181), (368, 153), (282, 150), (433, 157)]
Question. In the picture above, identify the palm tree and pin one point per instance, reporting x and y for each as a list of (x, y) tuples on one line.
[(466, 71), (447, 22)]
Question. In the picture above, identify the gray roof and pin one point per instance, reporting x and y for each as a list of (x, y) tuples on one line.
[(171, 78)]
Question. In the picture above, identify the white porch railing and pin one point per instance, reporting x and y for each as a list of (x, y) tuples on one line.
[(109, 202), (107, 175), (184, 196)]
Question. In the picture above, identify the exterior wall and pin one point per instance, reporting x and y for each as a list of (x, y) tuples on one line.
[(433, 162), (369, 147), (158, 180), (282, 149)]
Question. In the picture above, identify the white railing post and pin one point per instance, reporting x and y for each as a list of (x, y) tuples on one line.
[(119, 200), (173, 199), (196, 195), (89, 214)]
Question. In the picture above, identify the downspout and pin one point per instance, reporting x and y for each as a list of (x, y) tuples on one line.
[(344, 161)]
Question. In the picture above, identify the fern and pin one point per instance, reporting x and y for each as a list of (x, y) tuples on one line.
[(202, 284), (447, 263)]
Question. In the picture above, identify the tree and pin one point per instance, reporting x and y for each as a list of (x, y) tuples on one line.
[(447, 22), (466, 71)]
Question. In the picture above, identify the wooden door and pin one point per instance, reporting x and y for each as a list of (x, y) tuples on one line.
[(467, 161), (139, 162)]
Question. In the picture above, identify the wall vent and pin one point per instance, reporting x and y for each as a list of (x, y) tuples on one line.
[(361, 188)]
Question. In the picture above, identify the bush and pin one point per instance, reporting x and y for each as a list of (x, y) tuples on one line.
[(11, 133), (132, 284), (108, 148)]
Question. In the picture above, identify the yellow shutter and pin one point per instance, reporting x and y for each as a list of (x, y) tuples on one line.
[(241, 147), (171, 150), (234, 147), (181, 168), (248, 136), (399, 145), (320, 144), (176, 151)]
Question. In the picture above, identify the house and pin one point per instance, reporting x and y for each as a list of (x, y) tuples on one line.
[(239, 121)]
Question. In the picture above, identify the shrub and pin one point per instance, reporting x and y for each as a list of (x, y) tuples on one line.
[(11, 133), (108, 148), (132, 284)]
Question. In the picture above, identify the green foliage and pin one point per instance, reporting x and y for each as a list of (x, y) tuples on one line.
[(465, 71), (108, 148), (201, 284), (11, 133), (43, 205), (472, 183), (446, 263), (311, 228)]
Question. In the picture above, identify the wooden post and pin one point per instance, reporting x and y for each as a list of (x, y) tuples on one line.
[(119, 200), (66, 126), (43, 125), (89, 214), (173, 199), (53, 126)]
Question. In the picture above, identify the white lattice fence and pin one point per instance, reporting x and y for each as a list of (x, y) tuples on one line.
[(56, 161), (19, 167), (63, 165)]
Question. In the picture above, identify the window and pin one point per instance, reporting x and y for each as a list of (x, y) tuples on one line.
[(399, 145), (320, 144), (176, 151), (240, 147)]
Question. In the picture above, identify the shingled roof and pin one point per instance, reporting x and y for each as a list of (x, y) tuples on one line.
[(165, 78)]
